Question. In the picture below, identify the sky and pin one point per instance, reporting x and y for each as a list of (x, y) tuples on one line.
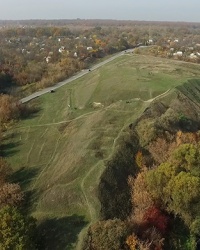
[(147, 10)]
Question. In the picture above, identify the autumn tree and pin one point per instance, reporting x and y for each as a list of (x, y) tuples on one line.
[(148, 222), (139, 159), (10, 194), (8, 108), (134, 243), (161, 149), (140, 198), (154, 217)]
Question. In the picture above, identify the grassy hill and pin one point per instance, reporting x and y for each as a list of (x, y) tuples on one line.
[(58, 154)]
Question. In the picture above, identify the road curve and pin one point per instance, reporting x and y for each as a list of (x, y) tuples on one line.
[(76, 76)]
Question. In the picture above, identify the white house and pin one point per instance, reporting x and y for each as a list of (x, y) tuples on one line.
[(150, 41), (193, 56), (47, 59), (178, 53), (61, 49), (97, 105)]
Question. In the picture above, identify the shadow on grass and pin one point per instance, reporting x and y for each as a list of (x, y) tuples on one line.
[(29, 110), (8, 149), (24, 176), (59, 233), (10, 136)]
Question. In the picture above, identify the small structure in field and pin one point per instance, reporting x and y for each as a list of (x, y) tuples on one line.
[(97, 105)]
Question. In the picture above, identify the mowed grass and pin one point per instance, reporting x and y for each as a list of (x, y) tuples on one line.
[(58, 154)]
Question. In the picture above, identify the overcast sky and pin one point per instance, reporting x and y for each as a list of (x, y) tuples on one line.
[(153, 10)]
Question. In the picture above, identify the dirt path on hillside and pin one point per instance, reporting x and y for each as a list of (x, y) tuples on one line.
[(158, 96), (58, 123)]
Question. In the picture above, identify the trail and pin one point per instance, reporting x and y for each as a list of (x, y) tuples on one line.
[(47, 165), (57, 123), (83, 182), (90, 207), (158, 96), (29, 153), (84, 191)]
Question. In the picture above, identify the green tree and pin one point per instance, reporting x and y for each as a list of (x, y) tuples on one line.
[(176, 184), (182, 192), (16, 230), (187, 156), (195, 227)]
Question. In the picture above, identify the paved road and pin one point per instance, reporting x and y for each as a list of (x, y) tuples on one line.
[(78, 75)]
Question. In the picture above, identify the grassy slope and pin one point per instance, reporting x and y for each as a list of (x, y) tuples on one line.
[(58, 153)]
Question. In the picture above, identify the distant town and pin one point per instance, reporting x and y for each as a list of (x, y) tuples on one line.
[(45, 52)]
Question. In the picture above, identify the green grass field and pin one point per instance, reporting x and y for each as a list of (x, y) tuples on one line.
[(58, 154)]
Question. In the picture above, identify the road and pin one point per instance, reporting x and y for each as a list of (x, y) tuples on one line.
[(78, 75)]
